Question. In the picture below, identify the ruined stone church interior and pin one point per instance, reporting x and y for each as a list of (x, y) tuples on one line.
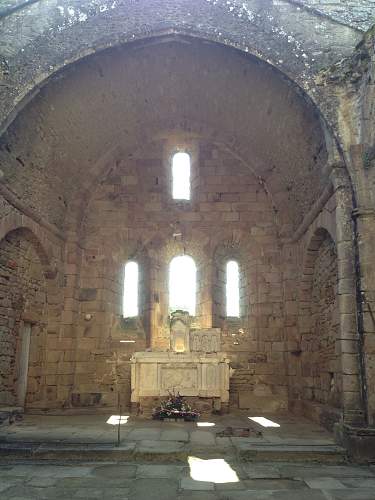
[(187, 208)]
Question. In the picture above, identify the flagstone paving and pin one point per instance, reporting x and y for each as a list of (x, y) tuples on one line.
[(189, 462), (96, 429), (94, 438), (164, 482)]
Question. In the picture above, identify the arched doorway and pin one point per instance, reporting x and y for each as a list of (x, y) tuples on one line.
[(319, 325), (23, 303)]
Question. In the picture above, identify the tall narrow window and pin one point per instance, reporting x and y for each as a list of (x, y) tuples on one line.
[(182, 284), (233, 289), (181, 176), (130, 302)]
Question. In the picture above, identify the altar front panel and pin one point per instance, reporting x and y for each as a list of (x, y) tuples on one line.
[(154, 374)]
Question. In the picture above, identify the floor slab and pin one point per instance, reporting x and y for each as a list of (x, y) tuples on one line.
[(129, 481)]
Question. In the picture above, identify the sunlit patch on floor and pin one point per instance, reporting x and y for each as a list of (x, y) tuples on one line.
[(264, 422), (116, 419), (205, 424), (214, 471)]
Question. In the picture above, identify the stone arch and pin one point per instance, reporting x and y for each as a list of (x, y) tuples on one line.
[(140, 326), (234, 26), (25, 281), (238, 143), (319, 328), (194, 248), (234, 247), (319, 235), (33, 232)]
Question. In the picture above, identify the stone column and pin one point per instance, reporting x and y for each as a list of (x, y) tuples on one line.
[(159, 320), (70, 318), (154, 311), (349, 341), (365, 219)]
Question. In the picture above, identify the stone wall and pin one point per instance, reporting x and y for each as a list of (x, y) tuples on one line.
[(91, 149), (322, 347), (364, 159), (56, 150), (359, 14), (24, 159), (320, 363), (59, 34), (23, 297), (131, 215), (32, 294)]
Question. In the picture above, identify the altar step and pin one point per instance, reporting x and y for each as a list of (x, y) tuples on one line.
[(292, 453), (168, 452)]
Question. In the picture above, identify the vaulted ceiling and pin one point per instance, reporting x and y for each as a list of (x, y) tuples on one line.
[(300, 37), (120, 98)]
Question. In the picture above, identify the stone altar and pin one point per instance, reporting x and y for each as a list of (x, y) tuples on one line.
[(195, 366)]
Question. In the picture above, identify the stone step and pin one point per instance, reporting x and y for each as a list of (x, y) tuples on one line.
[(167, 452), (292, 453), (10, 414)]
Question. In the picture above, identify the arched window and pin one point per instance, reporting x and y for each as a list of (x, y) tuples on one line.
[(182, 284), (181, 176), (130, 299), (232, 289)]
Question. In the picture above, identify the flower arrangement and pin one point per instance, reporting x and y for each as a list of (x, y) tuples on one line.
[(175, 407)]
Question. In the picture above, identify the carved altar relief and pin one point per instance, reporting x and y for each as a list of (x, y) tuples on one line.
[(208, 340), (179, 379)]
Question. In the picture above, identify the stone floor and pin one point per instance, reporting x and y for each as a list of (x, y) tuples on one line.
[(101, 429), (176, 460), (203, 480)]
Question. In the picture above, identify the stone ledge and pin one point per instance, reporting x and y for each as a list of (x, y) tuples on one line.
[(358, 441), (167, 452)]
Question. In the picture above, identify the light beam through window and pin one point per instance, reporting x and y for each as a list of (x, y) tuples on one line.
[(116, 419), (264, 422), (213, 470)]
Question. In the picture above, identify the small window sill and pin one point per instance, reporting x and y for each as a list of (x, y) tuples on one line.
[(232, 319), (181, 203), (133, 322)]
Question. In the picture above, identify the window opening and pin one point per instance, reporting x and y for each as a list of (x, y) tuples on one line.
[(182, 284), (181, 176), (130, 303), (233, 289)]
